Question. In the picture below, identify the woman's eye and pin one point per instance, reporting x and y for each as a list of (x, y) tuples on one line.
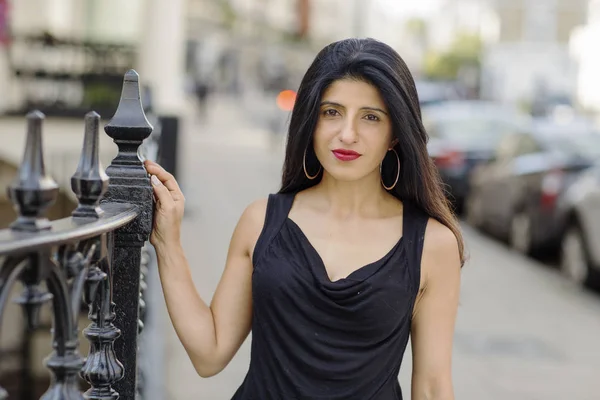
[(330, 113), (372, 117)]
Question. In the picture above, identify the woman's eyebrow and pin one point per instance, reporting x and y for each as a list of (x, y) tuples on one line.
[(333, 103), (374, 109)]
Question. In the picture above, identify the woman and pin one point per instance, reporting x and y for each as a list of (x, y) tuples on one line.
[(357, 250)]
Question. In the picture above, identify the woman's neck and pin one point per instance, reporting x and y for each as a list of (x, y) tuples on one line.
[(362, 197)]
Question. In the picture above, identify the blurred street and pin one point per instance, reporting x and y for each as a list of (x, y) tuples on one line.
[(523, 331)]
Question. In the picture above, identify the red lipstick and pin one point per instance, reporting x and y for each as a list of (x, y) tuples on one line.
[(345, 155)]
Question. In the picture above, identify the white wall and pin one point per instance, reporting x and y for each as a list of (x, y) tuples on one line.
[(512, 70), (113, 20), (331, 20), (585, 47), (456, 16), (161, 62), (5, 88), (282, 15), (108, 20), (31, 16)]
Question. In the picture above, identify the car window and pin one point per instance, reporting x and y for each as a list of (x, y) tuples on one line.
[(473, 131), (578, 137), (586, 145)]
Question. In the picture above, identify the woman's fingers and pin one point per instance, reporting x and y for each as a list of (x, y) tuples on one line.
[(163, 195), (165, 178)]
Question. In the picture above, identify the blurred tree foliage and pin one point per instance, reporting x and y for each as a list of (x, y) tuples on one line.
[(417, 30), (228, 13), (417, 27), (465, 52)]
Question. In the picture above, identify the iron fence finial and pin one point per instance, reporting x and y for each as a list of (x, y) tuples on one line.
[(33, 191), (128, 128), (89, 182)]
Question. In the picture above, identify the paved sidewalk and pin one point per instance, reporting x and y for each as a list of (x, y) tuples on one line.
[(226, 162)]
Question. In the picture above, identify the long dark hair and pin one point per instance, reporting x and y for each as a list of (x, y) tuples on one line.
[(380, 65)]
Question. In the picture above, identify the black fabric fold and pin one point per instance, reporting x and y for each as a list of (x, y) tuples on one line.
[(317, 339)]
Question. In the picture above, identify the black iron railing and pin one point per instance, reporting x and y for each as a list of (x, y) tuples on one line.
[(94, 257)]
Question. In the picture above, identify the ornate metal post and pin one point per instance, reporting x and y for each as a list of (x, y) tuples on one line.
[(102, 368), (89, 254), (129, 183), (32, 193)]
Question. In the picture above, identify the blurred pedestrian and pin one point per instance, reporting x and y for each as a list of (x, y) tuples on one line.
[(201, 89), (356, 251)]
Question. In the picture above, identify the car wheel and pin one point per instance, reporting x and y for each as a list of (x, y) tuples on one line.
[(520, 232), (474, 211), (573, 260)]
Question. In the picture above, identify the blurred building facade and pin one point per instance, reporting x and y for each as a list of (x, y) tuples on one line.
[(585, 50), (35, 24), (526, 51), (86, 19), (285, 31), (532, 58), (529, 49), (476, 17)]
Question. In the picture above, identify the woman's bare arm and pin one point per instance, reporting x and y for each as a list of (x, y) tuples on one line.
[(211, 334), (435, 314)]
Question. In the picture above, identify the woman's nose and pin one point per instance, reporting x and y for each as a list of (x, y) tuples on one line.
[(349, 133)]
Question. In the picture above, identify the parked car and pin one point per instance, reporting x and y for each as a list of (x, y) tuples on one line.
[(436, 92), (516, 194), (580, 239), (464, 134)]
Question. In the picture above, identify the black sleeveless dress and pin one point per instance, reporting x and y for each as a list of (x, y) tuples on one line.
[(314, 339)]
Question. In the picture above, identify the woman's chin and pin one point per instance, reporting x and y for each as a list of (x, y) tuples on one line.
[(345, 174)]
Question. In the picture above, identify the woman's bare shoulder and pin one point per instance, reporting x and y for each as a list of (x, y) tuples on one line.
[(249, 227), (439, 237), (440, 249), (253, 216), (257, 209)]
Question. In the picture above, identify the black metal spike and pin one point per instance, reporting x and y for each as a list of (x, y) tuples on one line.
[(128, 128), (33, 191), (89, 182)]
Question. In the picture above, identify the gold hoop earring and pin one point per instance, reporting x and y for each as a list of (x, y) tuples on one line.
[(306, 172), (397, 172)]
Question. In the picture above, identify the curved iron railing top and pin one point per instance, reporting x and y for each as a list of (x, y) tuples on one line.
[(67, 230), (76, 256)]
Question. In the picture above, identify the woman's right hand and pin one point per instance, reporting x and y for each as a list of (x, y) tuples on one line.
[(170, 204)]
